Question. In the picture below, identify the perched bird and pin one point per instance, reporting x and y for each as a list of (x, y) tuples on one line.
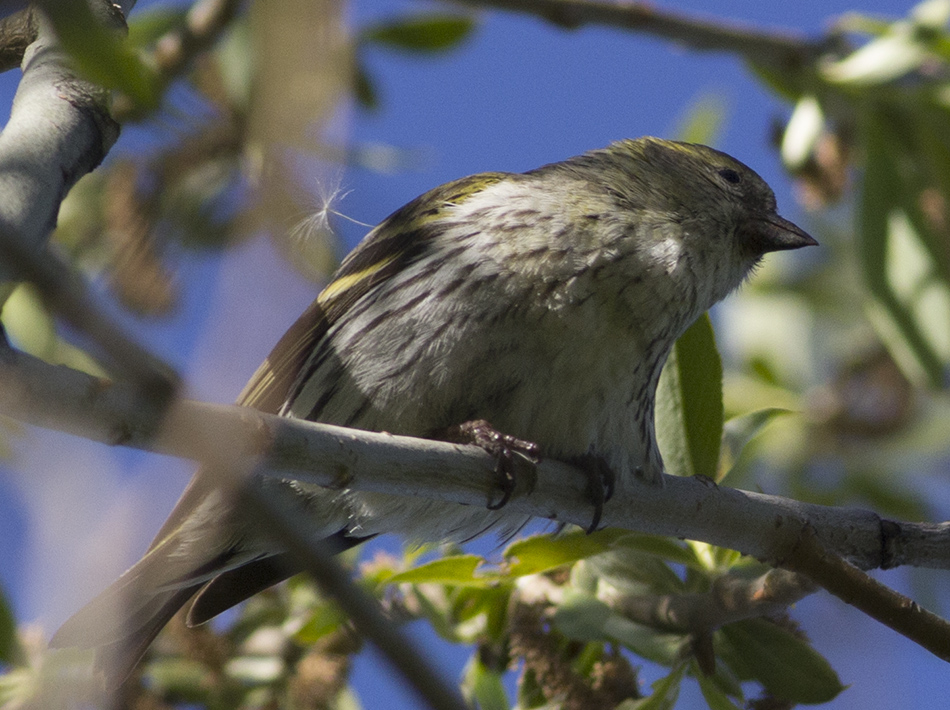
[(516, 310)]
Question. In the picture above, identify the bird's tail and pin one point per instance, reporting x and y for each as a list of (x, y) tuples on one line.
[(123, 620)]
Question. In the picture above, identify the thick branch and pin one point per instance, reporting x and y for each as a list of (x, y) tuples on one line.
[(766, 527)]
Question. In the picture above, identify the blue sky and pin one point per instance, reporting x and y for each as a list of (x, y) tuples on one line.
[(518, 94)]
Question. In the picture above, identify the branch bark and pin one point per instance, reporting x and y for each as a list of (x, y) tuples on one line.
[(766, 527), (767, 46)]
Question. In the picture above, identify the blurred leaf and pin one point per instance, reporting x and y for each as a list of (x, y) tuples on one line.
[(543, 552), (102, 55), (483, 687), (581, 616), (149, 25), (689, 409), (664, 695), (629, 570), (880, 60), (33, 330), (426, 33), (666, 548), (786, 665), (324, 620), (738, 432), (10, 650), (653, 645), (456, 570), (876, 220), (713, 694), (802, 132), (703, 120), (363, 87)]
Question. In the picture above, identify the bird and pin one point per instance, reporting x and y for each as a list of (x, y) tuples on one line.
[(528, 312)]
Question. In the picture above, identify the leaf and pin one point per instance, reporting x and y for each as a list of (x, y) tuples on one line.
[(581, 616), (102, 55), (148, 26), (689, 411), (703, 120), (786, 665), (543, 552), (647, 643), (879, 224), (665, 692), (421, 33), (713, 694), (364, 89), (483, 687), (325, 619), (739, 431), (457, 570), (10, 650), (802, 132)]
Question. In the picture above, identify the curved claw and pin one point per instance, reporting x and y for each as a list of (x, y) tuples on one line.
[(502, 446), (601, 481)]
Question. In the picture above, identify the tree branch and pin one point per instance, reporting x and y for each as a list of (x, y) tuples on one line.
[(776, 47), (766, 527)]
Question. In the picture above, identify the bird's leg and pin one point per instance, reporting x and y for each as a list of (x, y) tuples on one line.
[(502, 446), (600, 483)]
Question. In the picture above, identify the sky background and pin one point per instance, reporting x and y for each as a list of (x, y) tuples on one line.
[(519, 93)]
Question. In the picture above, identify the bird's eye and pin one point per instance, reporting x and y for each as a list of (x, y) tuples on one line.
[(730, 175)]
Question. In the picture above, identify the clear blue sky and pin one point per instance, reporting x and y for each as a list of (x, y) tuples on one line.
[(518, 94)]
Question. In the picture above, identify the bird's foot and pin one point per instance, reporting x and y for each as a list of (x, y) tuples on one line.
[(600, 483), (503, 447)]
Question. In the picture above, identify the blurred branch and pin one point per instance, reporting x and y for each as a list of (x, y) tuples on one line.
[(174, 52), (59, 130), (731, 598), (283, 522), (767, 527), (781, 47), (17, 32)]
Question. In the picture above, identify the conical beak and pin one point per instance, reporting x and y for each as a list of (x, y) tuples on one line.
[(773, 233)]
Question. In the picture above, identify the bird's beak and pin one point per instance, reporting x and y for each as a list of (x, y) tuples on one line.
[(770, 232)]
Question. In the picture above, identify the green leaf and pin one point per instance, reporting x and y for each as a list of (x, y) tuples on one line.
[(483, 687), (10, 650), (786, 665), (703, 120), (581, 616), (647, 643), (422, 33), (543, 552), (713, 694), (102, 55), (880, 223), (325, 619), (364, 89), (147, 26), (739, 431), (664, 695), (689, 410), (458, 570)]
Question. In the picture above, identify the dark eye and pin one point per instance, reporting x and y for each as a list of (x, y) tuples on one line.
[(730, 175)]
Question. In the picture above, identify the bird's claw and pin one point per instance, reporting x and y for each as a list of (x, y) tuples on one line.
[(600, 484), (503, 447)]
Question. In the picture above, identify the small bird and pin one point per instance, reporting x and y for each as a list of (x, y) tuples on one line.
[(527, 312)]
